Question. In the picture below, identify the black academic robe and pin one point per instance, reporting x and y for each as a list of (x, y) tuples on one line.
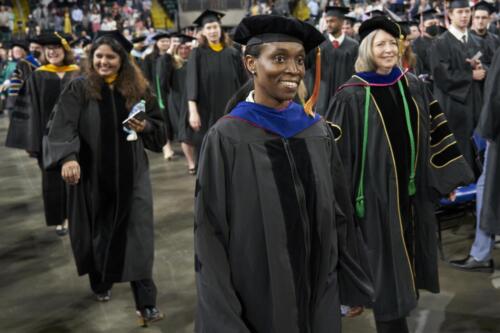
[(177, 105), (27, 128), (458, 94), (212, 79), (111, 208), (421, 47), (337, 66), (489, 128), (157, 70), (399, 230), (275, 243), (491, 41)]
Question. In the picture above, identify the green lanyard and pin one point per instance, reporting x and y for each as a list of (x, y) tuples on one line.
[(158, 92), (360, 195)]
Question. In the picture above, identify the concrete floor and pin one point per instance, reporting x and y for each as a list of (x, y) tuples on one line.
[(41, 292)]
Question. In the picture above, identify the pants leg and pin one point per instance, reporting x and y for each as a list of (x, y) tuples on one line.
[(144, 293), (394, 326), (97, 285), (483, 242)]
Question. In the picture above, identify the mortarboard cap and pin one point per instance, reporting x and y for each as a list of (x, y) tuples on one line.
[(453, 4), (351, 17), (55, 38), (260, 29), (483, 5), (161, 34), (183, 39), (139, 39), (208, 16), (428, 14), (20, 43), (117, 36), (375, 13), (379, 22), (405, 26), (336, 11)]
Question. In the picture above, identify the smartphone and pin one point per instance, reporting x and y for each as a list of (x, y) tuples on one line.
[(141, 115)]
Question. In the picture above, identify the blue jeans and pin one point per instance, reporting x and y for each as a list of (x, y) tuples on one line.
[(483, 242)]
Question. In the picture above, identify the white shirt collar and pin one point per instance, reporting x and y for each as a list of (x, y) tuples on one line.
[(340, 39), (457, 33), (250, 97)]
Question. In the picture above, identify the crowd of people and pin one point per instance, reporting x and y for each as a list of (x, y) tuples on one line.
[(321, 149)]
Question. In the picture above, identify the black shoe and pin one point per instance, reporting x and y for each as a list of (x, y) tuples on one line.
[(472, 265), (149, 315), (103, 297)]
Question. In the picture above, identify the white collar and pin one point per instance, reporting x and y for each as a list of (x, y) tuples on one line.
[(457, 33), (250, 97), (340, 39)]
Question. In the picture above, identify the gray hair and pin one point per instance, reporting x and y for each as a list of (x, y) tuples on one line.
[(365, 62)]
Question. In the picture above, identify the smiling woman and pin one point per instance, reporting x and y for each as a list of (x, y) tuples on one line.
[(272, 214), (110, 199), (394, 131)]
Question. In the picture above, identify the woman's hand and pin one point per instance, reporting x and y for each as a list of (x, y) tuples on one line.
[(354, 311), (194, 120), (71, 172), (137, 125)]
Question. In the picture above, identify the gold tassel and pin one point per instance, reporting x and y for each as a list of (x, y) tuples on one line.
[(309, 105), (64, 42)]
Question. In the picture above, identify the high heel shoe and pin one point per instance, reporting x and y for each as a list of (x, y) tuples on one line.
[(149, 315)]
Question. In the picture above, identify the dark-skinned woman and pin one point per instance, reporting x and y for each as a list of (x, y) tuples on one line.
[(110, 199), (214, 73), (275, 243), (40, 94), (399, 156)]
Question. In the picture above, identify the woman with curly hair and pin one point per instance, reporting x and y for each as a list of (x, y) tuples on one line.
[(110, 199)]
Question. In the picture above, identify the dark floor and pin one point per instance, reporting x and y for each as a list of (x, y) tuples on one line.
[(41, 292)]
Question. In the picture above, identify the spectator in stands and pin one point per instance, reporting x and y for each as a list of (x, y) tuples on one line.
[(95, 19), (108, 24), (5, 29), (76, 18)]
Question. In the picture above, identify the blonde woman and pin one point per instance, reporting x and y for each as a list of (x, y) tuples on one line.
[(399, 156)]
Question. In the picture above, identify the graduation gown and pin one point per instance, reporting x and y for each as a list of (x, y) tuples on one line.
[(111, 208), (491, 41), (489, 128), (458, 94), (27, 128), (157, 70), (337, 66), (421, 46), (275, 243), (177, 105), (399, 229), (212, 79)]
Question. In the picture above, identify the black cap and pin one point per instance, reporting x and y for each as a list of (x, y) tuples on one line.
[(453, 4), (428, 14), (161, 34), (82, 40), (208, 16), (116, 35), (20, 43), (483, 5), (336, 11), (183, 38), (379, 22), (54, 38), (375, 13), (405, 26), (351, 17), (260, 29), (139, 39)]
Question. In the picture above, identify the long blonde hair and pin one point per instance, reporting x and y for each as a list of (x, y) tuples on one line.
[(365, 62)]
